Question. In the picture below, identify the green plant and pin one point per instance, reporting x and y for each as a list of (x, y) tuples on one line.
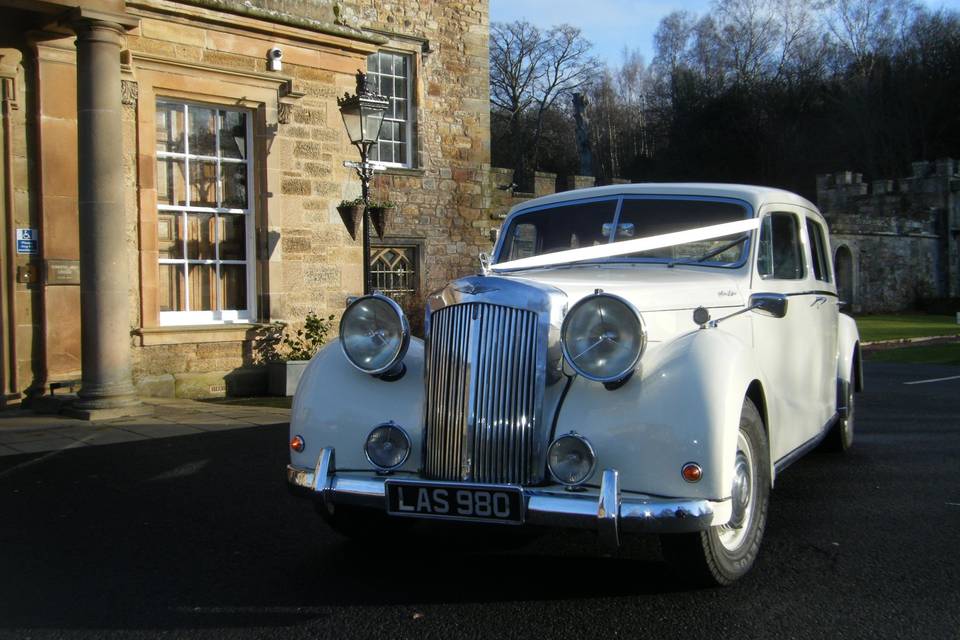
[(386, 204), (356, 202), (303, 344)]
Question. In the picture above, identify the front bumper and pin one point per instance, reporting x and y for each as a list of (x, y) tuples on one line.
[(609, 513)]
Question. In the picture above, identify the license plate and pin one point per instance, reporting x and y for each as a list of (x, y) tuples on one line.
[(455, 502)]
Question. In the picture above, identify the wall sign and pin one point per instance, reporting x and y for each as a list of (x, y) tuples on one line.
[(27, 241), (63, 272)]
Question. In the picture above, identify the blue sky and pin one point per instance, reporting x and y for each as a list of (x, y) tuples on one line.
[(612, 25)]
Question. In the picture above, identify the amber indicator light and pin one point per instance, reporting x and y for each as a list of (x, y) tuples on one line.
[(691, 472), (297, 444)]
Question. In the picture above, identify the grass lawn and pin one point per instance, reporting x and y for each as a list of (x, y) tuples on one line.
[(930, 354), (894, 327), (257, 401)]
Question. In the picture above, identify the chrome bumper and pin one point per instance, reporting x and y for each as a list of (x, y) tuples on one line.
[(609, 513)]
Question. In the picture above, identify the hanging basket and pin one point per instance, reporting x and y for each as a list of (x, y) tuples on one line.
[(379, 217), (352, 216)]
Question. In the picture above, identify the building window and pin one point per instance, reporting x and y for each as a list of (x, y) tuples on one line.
[(204, 220), (393, 272), (389, 73)]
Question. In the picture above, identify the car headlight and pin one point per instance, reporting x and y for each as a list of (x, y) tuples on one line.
[(571, 459), (603, 338), (374, 334), (387, 447)]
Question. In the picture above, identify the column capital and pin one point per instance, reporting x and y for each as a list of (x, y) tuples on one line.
[(89, 21)]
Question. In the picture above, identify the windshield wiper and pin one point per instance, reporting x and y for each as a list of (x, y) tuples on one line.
[(711, 253)]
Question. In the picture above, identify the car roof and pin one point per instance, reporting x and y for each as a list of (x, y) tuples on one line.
[(754, 195)]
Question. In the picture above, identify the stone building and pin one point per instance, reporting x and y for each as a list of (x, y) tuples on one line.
[(166, 193), (895, 242)]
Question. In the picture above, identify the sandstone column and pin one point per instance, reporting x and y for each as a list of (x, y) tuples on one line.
[(104, 282)]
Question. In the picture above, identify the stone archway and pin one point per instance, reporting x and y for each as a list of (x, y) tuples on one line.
[(843, 267)]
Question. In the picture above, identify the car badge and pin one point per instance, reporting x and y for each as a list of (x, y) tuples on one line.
[(473, 289), (726, 293)]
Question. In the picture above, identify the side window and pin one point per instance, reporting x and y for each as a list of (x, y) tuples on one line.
[(780, 254), (818, 249)]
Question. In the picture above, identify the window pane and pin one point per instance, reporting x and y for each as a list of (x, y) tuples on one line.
[(170, 292), (400, 109), (233, 134), (170, 234), (570, 226), (373, 63), (232, 237), (200, 237), (233, 287), (169, 127), (203, 136), (234, 184), (171, 187), (203, 183), (386, 85), (203, 287), (400, 152), (386, 152), (779, 238)]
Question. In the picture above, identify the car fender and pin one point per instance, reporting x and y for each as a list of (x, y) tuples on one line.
[(849, 362), (682, 405), (337, 405)]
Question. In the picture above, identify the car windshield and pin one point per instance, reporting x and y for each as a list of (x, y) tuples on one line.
[(588, 223)]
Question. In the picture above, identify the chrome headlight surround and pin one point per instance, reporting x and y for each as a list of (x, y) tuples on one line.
[(641, 335), (393, 430), (402, 329), (586, 448)]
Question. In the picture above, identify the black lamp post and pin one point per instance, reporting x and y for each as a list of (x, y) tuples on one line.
[(362, 116)]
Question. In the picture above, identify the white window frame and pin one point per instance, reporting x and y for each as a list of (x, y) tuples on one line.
[(226, 316), (411, 109)]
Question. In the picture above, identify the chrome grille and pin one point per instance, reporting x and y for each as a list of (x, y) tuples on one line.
[(481, 394)]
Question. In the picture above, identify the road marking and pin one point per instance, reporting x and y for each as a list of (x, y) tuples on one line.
[(953, 504), (933, 380), (47, 456)]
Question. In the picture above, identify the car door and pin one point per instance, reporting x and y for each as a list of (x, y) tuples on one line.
[(825, 304), (787, 348)]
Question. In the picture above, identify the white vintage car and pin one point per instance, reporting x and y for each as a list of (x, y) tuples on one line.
[(640, 358)]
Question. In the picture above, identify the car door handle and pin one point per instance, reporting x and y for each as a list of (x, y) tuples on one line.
[(819, 300)]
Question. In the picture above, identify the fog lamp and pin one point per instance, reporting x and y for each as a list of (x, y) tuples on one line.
[(387, 447), (571, 459)]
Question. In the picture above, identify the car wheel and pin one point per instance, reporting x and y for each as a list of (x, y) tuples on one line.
[(840, 437), (722, 554)]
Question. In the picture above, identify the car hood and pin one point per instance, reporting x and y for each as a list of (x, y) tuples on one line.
[(650, 287)]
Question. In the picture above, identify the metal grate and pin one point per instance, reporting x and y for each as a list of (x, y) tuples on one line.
[(481, 394)]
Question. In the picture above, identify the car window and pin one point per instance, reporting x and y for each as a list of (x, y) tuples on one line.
[(780, 254), (571, 226), (818, 250), (645, 217)]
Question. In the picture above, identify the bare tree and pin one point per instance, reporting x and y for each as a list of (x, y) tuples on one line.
[(529, 71)]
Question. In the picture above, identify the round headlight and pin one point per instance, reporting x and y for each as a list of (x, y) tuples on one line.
[(571, 459), (603, 338), (374, 334), (387, 447)]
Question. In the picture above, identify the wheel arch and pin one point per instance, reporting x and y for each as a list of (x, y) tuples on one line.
[(757, 396)]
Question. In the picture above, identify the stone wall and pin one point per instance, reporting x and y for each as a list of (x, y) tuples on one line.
[(894, 241)]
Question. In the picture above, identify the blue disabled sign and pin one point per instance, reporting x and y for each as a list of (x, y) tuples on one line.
[(27, 241)]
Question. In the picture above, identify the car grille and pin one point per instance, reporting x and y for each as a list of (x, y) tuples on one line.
[(481, 394)]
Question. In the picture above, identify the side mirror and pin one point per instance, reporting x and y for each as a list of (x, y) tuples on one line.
[(772, 304)]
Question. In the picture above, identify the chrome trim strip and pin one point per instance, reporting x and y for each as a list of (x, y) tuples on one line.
[(806, 447), (544, 506)]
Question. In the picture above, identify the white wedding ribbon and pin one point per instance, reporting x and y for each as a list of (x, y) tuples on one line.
[(626, 247)]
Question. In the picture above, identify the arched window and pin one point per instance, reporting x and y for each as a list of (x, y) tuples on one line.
[(843, 268)]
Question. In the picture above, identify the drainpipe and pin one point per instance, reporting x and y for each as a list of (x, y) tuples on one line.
[(13, 383)]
